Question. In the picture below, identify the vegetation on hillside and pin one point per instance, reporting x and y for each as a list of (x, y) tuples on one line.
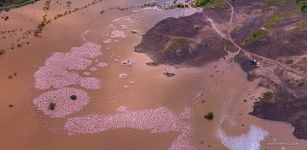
[(302, 5), (267, 96), (257, 35), (201, 3), (277, 18), (175, 45)]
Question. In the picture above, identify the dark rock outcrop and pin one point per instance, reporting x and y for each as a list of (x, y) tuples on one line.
[(185, 40), (285, 107)]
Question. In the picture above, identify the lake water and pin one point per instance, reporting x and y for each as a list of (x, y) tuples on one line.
[(219, 87)]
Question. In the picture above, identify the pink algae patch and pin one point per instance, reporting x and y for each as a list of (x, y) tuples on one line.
[(87, 50), (59, 69), (56, 77), (60, 72), (90, 83), (64, 104), (160, 120), (69, 61)]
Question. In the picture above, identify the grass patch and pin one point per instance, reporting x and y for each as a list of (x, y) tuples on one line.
[(209, 116), (208, 3), (276, 19), (302, 5), (300, 82), (304, 9), (300, 26), (176, 44), (267, 96), (257, 35), (200, 3)]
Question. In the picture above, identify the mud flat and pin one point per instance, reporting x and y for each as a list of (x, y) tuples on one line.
[(222, 85)]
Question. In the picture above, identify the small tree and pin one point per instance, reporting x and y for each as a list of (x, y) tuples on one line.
[(304, 9), (209, 116), (51, 106), (73, 97)]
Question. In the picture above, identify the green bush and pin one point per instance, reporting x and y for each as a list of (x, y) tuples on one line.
[(209, 116), (302, 5), (257, 35), (304, 9), (200, 3)]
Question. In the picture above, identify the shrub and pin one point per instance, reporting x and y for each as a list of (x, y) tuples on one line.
[(304, 9), (209, 116), (257, 35), (200, 3), (267, 96), (51, 106), (73, 97)]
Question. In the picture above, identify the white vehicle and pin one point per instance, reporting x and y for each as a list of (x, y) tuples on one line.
[(258, 64)]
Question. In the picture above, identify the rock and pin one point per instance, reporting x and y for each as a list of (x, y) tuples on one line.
[(127, 62), (162, 44), (169, 74), (123, 75), (126, 86), (133, 31), (102, 65)]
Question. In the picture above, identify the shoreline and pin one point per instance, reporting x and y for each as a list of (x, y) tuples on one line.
[(12, 6)]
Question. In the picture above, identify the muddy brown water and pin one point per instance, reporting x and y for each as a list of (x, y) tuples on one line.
[(223, 85)]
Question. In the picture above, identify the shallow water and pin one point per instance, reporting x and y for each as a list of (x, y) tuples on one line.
[(219, 87)]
